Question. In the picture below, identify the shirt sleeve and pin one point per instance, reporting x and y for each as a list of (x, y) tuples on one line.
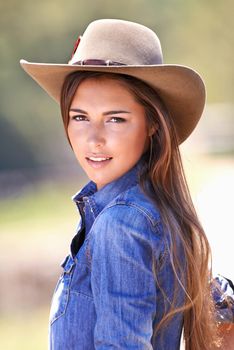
[(122, 279)]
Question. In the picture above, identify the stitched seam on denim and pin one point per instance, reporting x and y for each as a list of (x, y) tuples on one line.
[(153, 222), (82, 263), (163, 257), (121, 199), (67, 298), (81, 293), (93, 207), (86, 251), (162, 251)]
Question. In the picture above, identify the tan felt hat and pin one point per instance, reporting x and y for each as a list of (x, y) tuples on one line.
[(118, 46)]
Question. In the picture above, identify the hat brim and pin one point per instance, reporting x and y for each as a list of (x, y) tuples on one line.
[(181, 88)]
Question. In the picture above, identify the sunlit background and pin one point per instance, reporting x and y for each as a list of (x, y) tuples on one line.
[(38, 172)]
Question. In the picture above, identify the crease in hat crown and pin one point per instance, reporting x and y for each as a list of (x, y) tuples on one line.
[(120, 41)]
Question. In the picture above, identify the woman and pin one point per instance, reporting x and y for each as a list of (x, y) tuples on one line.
[(138, 268)]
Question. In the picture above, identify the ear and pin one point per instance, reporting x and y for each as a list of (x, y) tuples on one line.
[(153, 129)]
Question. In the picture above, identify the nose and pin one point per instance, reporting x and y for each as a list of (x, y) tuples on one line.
[(96, 136)]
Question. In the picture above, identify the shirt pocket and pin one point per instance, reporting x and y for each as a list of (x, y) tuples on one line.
[(61, 293)]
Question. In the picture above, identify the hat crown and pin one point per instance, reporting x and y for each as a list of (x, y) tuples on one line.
[(119, 41)]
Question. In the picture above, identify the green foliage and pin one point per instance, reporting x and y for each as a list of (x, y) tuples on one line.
[(18, 151)]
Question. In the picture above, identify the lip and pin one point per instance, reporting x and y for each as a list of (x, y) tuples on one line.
[(98, 155), (98, 164)]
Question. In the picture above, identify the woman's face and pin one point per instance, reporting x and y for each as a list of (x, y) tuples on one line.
[(107, 129)]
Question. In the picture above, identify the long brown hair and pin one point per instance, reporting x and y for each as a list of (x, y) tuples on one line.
[(168, 189)]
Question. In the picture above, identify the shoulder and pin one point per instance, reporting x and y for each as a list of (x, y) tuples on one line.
[(130, 216), (135, 201)]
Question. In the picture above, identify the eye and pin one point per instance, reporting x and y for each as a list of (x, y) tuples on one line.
[(117, 120), (79, 118)]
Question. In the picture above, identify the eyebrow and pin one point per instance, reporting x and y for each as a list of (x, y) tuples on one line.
[(105, 113)]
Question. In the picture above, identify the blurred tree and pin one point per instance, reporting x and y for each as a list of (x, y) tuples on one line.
[(15, 152)]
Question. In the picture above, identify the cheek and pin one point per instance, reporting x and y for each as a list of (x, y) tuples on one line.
[(73, 134), (75, 138), (138, 139), (70, 133)]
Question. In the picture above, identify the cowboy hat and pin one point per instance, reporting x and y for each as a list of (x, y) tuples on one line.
[(118, 46)]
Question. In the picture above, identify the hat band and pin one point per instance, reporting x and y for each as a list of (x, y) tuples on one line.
[(96, 62)]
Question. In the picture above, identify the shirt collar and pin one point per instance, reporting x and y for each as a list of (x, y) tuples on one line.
[(99, 199)]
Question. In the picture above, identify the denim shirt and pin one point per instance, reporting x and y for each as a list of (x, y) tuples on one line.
[(111, 292)]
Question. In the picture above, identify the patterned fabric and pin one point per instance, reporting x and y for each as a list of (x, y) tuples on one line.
[(223, 293)]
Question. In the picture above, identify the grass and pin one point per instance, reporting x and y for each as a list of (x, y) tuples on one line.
[(48, 204)]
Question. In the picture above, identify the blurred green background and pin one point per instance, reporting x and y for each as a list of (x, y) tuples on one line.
[(38, 172)]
